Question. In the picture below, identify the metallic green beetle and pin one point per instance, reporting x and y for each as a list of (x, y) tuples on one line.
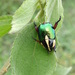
[(46, 34)]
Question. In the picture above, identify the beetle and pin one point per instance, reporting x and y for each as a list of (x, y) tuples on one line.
[(46, 34)]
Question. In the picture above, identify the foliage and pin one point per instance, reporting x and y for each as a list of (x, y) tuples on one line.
[(5, 24), (25, 49), (23, 15), (27, 56)]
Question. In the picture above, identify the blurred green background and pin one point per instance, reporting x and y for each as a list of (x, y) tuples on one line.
[(66, 37)]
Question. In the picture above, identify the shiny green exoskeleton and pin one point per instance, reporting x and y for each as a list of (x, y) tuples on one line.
[(46, 29), (46, 34)]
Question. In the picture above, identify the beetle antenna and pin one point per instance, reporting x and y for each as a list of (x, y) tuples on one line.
[(36, 40), (55, 48), (56, 23)]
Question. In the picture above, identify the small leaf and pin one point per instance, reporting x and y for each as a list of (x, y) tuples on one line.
[(23, 15), (28, 57), (53, 11), (60, 70), (5, 24)]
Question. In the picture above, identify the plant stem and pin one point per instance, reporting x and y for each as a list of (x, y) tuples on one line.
[(40, 5), (5, 67), (40, 14)]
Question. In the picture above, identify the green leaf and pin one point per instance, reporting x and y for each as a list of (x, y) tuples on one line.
[(53, 11), (60, 70), (23, 15), (28, 57), (5, 24)]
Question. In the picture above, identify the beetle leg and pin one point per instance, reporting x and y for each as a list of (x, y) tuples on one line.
[(54, 48), (36, 40), (36, 28), (56, 23)]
